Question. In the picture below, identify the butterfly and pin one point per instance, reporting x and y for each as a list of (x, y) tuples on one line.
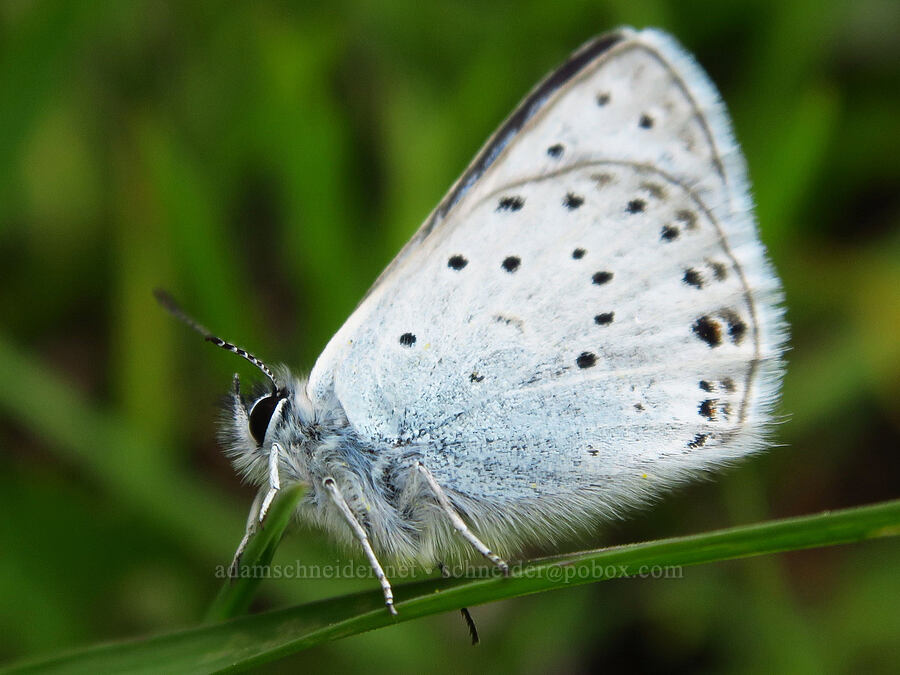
[(586, 320)]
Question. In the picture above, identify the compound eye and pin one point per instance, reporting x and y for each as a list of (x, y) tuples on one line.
[(260, 416)]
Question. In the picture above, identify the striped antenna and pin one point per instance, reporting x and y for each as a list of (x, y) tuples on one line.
[(168, 303)]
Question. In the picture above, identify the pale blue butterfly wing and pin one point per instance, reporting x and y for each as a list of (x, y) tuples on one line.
[(588, 317)]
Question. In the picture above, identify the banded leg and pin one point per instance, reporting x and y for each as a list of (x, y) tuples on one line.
[(274, 481), (363, 538), (251, 529), (458, 523), (258, 509)]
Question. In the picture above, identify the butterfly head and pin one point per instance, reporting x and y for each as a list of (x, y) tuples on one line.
[(251, 424), (282, 415)]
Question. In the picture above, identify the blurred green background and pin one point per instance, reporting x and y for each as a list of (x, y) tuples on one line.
[(265, 161)]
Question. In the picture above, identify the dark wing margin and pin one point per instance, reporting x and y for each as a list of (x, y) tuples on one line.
[(507, 131)]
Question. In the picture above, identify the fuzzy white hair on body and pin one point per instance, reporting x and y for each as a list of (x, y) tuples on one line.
[(587, 320)]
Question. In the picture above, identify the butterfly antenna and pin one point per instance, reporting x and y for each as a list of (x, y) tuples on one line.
[(168, 303)]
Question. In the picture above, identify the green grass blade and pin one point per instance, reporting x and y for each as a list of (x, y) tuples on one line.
[(235, 595), (251, 640)]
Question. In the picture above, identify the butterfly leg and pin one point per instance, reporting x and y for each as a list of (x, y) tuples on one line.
[(458, 523), (464, 611), (258, 509), (274, 482), (363, 538), (249, 531)]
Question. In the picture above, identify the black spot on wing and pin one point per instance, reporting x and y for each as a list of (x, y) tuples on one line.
[(511, 263), (736, 326), (669, 233), (573, 201), (692, 278), (645, 122), (603, 98), (708, 330), (407, 339), (604, 319), (707, 409), (578, 253), (636, 206), (601, 278), (513, 203), (555, 151), (586, 360), (457, 262)]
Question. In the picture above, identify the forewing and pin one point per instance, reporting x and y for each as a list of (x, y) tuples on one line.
[(588, 309)]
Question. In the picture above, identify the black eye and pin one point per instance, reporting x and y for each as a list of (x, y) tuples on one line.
[(261, 414)]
